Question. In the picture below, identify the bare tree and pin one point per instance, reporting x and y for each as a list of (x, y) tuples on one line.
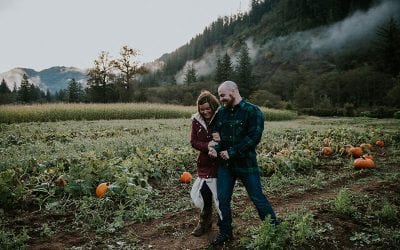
[(128, 67)]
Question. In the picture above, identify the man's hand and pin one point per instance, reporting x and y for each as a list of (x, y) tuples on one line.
[(212, 153), (224, 155)]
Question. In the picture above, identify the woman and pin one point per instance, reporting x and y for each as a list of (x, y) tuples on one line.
[(205, 187)]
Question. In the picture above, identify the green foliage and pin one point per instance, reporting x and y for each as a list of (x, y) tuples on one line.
[(224, 69), (279, 115), (296, 230), (388, 213), (302, 227), (269, 236), (388, 47), (344, 203), (142, 159), (24, 92), (244, 73), (264, 98), (190, 75), (10, 240)]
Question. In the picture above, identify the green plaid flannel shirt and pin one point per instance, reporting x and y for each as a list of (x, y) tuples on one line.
[(240, 129)]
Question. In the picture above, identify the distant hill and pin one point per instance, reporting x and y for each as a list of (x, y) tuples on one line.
[(53, 79), (279, 32)]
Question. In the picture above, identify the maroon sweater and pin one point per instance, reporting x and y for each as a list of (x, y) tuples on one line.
[(200, 137)]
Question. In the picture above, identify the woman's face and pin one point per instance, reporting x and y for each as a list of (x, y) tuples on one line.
[(205, 111)]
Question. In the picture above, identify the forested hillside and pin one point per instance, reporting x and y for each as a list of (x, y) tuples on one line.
[(333, 57), (319, 56)]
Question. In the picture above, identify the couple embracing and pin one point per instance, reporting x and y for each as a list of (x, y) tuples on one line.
[(226, 137)]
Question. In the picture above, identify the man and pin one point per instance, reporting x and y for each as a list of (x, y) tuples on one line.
[(239, 126)]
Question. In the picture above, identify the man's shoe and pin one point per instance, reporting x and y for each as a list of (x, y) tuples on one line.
[(221, 239)]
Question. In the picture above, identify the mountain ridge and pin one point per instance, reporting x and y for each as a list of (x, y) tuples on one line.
[(53, 79)]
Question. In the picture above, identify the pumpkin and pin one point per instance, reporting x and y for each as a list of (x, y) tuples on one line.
[(186, 177), (363, 163), (356, 152), (102, 189), (380, 143), (366, 146), (327, 151), (368, 156)]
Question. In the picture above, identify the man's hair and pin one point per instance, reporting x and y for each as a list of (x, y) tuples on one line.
[(206, 97), (229, 84)]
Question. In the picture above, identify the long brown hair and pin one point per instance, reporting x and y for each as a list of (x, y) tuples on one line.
[(206, 97)]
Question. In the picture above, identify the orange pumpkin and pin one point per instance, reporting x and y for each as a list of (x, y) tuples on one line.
[(368, 156), (186, 177), (363, 163), (380, 143), (327, 151), (102, 189), (356, 152), (366, 146)]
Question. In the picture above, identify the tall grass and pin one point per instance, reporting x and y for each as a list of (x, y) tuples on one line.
[(63, 112), (279, 115), (121, 111)]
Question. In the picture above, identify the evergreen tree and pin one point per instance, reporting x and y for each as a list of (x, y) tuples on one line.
[(227, 68), (190, 75), (219, 71), (244, 77), (24, 92), (5, 93), (48, 95), (74, 90), (35, 92), (4, 88), (224, 69), (388, 47)]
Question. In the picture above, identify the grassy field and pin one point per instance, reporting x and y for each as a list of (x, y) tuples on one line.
[(49, 172), (65, 112)]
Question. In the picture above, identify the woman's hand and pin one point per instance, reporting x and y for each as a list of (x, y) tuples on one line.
[(216, 137), (212, 144)]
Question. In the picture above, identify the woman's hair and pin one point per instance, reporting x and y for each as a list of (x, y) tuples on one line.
[(206, 97)]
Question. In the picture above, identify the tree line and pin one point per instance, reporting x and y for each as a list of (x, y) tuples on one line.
[(364, 77)]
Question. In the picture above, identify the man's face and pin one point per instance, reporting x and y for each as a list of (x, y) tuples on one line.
[(226, 96)]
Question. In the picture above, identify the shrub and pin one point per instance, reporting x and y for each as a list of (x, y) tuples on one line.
[(343, 203)]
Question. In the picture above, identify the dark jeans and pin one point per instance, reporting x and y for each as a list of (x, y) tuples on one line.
[(225, 183)]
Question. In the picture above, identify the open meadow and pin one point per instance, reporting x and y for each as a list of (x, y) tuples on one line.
[(49, 172)]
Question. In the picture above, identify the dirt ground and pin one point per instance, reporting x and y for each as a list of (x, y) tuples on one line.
[(172, 231)]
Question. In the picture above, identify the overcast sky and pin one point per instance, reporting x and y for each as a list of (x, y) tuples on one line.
[(39, 34)]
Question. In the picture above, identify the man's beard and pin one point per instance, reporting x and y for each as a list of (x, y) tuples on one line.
[(229, 103)]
